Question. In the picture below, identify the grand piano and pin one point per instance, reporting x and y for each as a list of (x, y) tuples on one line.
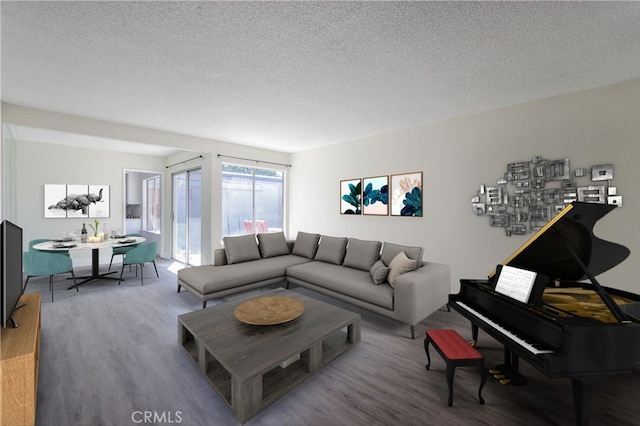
[(568, 326)]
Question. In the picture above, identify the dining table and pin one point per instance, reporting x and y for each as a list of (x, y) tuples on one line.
[(63, 245)]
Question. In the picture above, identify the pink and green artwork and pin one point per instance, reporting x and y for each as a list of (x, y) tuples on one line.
[(406, 194)]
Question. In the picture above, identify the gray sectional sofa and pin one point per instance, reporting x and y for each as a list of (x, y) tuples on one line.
[(389, 279)]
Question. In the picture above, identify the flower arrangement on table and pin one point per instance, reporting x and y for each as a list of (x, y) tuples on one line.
[(97, 236)]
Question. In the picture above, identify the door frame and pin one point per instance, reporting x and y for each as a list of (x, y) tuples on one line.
[(172, 215), (124, 195)]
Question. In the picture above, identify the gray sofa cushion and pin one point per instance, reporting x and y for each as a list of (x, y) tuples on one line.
[(271, 245), (390, 250), (379, 272), (362, 254), (331, 249), (306, 245), (348, 281), (210, 279), (241, 249)]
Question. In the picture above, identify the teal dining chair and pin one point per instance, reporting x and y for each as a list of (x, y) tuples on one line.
[(38, 264), (143, 253), (123, 250)]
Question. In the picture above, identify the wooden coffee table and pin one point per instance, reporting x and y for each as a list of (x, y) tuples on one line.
[(251, 366)]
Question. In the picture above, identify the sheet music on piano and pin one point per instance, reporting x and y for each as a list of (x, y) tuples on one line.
[(516, 283), (521, 284)]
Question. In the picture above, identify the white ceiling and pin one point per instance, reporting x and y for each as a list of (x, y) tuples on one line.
[(292, 76)]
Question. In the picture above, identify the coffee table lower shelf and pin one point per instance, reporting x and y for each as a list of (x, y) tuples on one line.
[(249, 388), (275, 382)]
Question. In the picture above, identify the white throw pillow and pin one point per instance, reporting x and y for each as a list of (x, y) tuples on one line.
[(400, 265)]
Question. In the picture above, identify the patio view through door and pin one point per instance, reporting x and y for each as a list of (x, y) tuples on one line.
[(186, 216)]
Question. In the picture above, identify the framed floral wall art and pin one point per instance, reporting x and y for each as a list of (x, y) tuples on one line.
[(351, 196), (406, 194), (375, 195)]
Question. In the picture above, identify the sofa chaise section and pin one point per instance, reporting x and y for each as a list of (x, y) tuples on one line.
[(209, 282)]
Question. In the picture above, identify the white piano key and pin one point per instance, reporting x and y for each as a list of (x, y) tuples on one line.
[(529, 346)]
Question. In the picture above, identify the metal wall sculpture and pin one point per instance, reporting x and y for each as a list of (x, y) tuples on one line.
[(532, 192)]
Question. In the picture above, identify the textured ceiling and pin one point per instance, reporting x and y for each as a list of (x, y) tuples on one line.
[(292, 76)]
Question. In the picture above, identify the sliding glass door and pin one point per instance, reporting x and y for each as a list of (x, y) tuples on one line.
[(186, 216)]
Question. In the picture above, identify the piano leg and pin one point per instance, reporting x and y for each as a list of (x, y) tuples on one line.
[(582, 398), (512, 360), (474, 335)]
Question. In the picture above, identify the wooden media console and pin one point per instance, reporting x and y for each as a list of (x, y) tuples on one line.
[(19, 364)]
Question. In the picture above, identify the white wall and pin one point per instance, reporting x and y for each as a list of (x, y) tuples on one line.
[(588, 127), (35, 164), (42, 163)]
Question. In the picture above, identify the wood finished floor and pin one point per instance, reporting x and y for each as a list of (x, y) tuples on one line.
[(110, 353)]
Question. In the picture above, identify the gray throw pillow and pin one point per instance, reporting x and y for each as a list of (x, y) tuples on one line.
[(271, 245), (379, 272), (306, 245), (331, 249), (362, 254), (241, 249), (390, 250)]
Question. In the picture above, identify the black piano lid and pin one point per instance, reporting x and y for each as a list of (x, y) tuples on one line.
[(549, 251)]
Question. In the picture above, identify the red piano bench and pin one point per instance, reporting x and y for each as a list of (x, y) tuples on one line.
[(457, 353)]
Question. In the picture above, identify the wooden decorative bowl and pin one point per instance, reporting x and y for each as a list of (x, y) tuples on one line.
[(269, 310)]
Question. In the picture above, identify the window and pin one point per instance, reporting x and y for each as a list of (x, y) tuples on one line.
[(252, 200), (151, 217)]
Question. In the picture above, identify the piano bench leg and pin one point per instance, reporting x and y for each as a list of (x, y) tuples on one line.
[(451, 370), (426, 350), (483, 379), (445, 341)]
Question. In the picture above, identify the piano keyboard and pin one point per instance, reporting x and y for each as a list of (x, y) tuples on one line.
[(523, 343)]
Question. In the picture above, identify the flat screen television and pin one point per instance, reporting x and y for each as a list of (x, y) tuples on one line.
[(11, 237)]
